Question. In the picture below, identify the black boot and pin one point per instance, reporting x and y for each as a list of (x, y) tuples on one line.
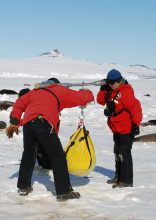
[(117, 170), (111, 181), (122, 185), (70, 195), (25, 192)]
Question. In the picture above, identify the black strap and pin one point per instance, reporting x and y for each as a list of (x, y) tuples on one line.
[(54, 95), (85, 136), (73, 142), (106, 100)]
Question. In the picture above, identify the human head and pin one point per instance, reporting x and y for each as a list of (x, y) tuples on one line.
[(114, 76), (55, 80), (23, 92)]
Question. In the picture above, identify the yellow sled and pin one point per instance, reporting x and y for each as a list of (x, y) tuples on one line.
[(80, 153)]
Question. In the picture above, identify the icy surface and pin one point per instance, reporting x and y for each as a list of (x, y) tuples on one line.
[(98, 199)]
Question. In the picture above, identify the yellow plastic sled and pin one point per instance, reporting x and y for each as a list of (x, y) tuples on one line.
[(80, 153)]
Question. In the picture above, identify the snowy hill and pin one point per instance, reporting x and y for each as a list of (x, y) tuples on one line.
[(54, 63)]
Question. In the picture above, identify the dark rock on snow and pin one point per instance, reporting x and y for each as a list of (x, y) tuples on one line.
[(2, 125), (8, 92), (4, 105), (146, 138)]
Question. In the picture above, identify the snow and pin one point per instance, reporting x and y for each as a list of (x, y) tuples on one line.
[(98, 199)]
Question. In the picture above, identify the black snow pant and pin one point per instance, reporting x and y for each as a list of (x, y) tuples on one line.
[(39, 130), (123, 158), (42, 158)]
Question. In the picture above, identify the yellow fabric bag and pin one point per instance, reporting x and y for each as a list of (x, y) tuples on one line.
[(80, 153)]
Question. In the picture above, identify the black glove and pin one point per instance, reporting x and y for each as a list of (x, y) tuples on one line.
[(135, 129), (105, 87), (14, 121)]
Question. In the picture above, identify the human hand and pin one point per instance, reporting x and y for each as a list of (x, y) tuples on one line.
[(10, 130), (135, 129)]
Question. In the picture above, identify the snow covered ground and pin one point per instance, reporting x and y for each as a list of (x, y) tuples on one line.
[(98, 199)]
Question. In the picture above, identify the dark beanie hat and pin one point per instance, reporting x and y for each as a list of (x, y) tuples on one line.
[(23, 92), (55, 80), (113, 75)]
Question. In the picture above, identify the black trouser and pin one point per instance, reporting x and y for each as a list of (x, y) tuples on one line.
[(123, 158), (40, 130), (42, 157)]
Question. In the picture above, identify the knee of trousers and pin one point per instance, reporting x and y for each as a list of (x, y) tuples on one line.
[(124, 156), (117, 158)]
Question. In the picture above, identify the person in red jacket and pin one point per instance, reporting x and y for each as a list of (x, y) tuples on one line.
[(124, 115), (41, 123), (42, 157)]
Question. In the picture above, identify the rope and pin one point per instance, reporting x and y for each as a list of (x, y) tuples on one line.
[(3, 129)]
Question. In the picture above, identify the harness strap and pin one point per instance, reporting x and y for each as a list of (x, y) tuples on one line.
[(107, 97), (54, 95), (73, 142), (85, 136)]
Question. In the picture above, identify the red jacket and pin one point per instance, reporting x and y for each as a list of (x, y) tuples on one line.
[(122, 123), (43, 102)]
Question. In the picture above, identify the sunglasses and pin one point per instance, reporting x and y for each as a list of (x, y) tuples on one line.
[(112, 82)]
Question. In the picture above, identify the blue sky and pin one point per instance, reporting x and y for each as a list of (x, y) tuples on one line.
[(114, 31)]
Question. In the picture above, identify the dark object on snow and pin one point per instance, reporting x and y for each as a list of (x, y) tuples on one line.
[(146, 138), (8, 92), (147, 95), (26, 84), (2, 125), (144, 124), (4, 105), (150, 122)]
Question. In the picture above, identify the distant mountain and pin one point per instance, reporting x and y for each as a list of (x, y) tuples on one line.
[(55, 64), (52, 53), (137, 65)]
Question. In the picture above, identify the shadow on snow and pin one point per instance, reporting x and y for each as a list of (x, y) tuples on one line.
[(105, 172)]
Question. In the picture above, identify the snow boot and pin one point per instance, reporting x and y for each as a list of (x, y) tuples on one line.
[(71, 195), (121, 185), (25, 192), (110, 181)]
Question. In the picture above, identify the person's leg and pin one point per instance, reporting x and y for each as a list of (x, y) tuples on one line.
[(42, 158), (117, 160), (54, 150), (28, 157), (126, 173)]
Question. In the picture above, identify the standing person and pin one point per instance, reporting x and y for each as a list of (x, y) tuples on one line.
[(41, 123), (124, 116)]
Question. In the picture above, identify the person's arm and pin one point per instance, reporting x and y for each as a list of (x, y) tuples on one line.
[(75, 98), (18, 108), (15, 116), (101, 95), (133, 106)]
